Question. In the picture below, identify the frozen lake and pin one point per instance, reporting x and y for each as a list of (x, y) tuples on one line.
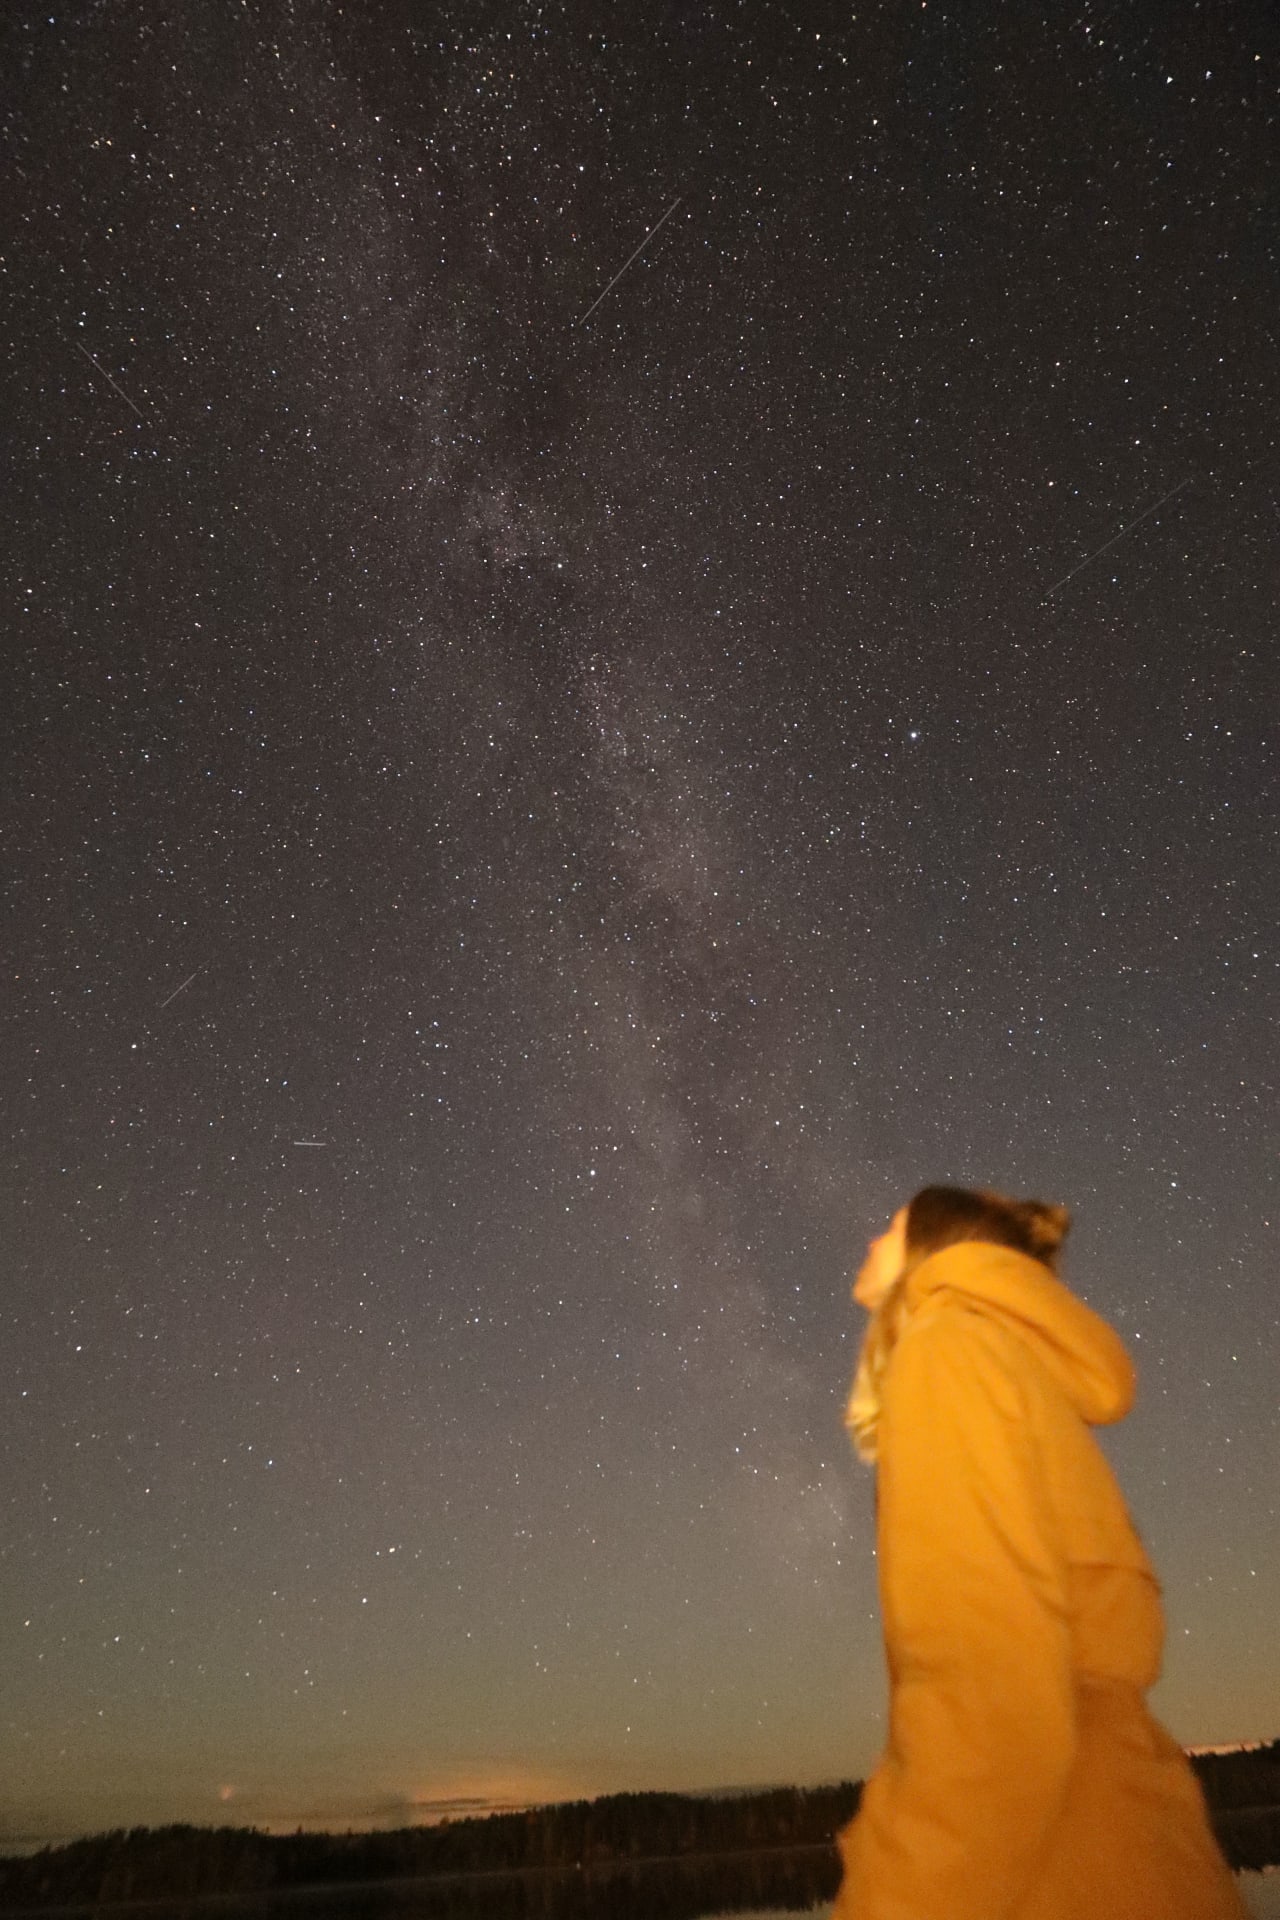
[(746, 1887), (1261, 1896), (1261, 1892)]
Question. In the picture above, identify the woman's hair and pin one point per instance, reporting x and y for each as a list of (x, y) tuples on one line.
[(941, 1216)]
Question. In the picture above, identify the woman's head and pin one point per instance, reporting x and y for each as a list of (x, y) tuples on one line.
[(941, 1216), (938, 1217)]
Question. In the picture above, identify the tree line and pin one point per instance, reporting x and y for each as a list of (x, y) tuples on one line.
[(183, 1861), (581, 1837), (1243, 1794)]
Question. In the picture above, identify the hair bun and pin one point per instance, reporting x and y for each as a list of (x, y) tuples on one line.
[(1046, 1226)]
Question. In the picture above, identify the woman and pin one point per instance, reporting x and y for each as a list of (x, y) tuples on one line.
[(1024, 1778)]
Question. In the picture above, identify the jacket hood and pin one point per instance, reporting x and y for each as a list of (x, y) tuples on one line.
[(1084, 1355)]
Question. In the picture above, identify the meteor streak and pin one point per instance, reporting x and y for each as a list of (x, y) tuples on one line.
[(1108, 544), (116, 384), (177, 990), (627, 262)]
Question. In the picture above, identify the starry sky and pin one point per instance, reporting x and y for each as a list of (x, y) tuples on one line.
[(536, 820)]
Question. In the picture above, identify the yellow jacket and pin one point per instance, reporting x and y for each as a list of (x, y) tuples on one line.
[(1024, 1778)]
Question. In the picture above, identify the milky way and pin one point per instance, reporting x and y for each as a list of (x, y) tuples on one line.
[(598, 696)]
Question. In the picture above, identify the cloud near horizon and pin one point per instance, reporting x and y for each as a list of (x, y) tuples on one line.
[(501, 1791)]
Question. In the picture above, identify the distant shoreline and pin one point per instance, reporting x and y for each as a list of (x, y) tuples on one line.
[(318, 1894), (774, 1836), (339, 1890)]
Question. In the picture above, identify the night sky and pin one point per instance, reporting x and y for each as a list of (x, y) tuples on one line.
[(531, 830)]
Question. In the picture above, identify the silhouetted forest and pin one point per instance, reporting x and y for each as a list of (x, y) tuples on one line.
[(151, 1863), (1243, 1792), (633, 1856)]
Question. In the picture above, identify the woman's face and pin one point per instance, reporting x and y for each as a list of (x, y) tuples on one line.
[(886, 1257)]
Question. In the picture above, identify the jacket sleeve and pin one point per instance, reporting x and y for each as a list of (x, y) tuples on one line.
[(973, 1592)]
